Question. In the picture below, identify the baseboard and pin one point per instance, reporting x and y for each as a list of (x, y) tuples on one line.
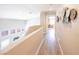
[(39, 47), (61, 50)]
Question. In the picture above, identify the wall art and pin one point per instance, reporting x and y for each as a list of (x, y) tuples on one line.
[(4, 33), (12, 31), (18, 30), (72, 15), (65, 18)]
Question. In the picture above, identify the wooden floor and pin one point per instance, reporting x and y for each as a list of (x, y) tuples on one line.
[(50, 45)]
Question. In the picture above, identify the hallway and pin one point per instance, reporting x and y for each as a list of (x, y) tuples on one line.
[(50, 45), (25, 29)]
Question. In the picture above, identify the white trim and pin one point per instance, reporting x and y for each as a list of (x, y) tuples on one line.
[(39, 47), (19, 41), (61, 50)]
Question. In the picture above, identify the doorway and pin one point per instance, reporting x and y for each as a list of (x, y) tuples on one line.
[(51, 21), (51, 26)]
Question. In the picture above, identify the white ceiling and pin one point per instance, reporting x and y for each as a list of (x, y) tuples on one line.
[(22, 11), (31, 7)]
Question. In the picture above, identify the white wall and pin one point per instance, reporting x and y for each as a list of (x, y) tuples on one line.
[(32, 22), (9, 25), (68, 34)]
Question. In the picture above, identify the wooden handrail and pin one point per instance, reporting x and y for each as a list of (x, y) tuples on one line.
[(17, 42)]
